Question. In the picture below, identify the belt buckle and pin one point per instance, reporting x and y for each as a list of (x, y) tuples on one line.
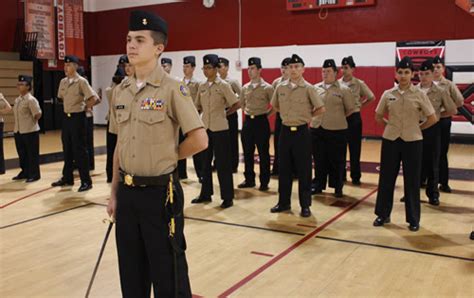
[(252, 117), (293, 128), (69, 115), (128, 180)]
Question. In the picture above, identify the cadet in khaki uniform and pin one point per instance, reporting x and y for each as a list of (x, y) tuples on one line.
[(147, 199), (213, 98), (233, 118), (111, 140), (402, 141), (4, 108), (27, 112), (276, 133), (329, 131), (297, 101), (167, 64), (189, 65), (432, 136), (76, 94), (445, 121), (362, 96), (254, 100)]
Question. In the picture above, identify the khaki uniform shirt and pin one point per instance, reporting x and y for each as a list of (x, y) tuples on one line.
[(277, 81), (24, 110), (108, 93), (148, 120), (254, 100), (296, 103), (193, 86), (3, 105), (404, 113), (75, 93), (212, 101), (236, 87), (338, 101), (452, 90), (359, 90), (439, 99)]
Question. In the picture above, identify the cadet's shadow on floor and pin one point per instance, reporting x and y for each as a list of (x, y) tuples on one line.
[(252, 193), (7, 187), (329, 200), (443, 207)]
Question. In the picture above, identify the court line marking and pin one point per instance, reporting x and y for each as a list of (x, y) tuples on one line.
[(44, 216), (40, 191), (396, 248), (287, 251), (262, 254)]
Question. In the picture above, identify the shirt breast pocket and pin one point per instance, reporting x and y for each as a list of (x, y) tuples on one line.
[(151, 127)]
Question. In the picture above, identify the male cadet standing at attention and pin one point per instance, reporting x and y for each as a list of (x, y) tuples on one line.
[(214, 96), (432, 136), (146, 197), (167, 64), (189, 65), (362, 96), (297, 101), (254, 100), (276, 133), (233, 118), (445, 121), (76, 94)]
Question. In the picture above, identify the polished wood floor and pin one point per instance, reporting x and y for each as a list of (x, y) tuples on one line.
[(50, 239)]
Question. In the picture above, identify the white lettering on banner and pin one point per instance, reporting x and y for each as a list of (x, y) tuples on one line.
[(61, 35), (327, 2)]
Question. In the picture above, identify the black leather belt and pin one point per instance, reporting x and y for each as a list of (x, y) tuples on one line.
[(69, 115), (141, 181), (252, 117), (295, 128)]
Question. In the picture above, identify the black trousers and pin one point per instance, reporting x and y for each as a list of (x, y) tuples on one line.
[(73, 136), (354, 141), (295, 152), (394, 152), (145, 254), (445, 127), (198, 161), (27, 146), (90, 141), (111, 144), (218, 147), (182, 172), (430, 159), (329, 148), (276, 142), (233, 120), (256, 133), (2, 156)]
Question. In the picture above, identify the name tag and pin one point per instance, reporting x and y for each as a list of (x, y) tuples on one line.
[(153, 104), (120, 107), (392, 98)]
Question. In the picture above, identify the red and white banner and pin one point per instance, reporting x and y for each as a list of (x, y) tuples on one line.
[(39, 17), (70, 28)]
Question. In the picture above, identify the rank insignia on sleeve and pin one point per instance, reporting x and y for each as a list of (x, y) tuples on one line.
[(183, 90)]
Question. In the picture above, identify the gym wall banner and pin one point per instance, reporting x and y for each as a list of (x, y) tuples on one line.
[(70, 28), (39, 17)]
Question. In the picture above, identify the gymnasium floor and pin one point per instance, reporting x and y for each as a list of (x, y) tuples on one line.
[(50, 239)]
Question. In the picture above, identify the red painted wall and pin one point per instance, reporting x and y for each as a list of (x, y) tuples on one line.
[(268, 23), (9, 12), (378, 79)]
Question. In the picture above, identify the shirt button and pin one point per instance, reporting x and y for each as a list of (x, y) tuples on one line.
[(134, 119), (133, 156), (133, 138)]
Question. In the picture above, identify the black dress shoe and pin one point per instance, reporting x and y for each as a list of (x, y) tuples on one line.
[(402, 199), (32, 179), (263, 187), (472, 235), (109, 180), (85, 186), (305, 212), (338, 194), (434, 201), (61, 182), (246, 184), (279, 208), (227, 203), (380, 221), (199, 200), (356, 182), (414, 227), (19, 177), (445, 188)]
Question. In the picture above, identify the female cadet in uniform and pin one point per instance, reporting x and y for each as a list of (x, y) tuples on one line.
[(402, 141), (4, 108), (27, 112), (147, 198), (329, 131)]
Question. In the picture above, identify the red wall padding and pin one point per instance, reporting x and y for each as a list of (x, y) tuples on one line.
[(378, 79)]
